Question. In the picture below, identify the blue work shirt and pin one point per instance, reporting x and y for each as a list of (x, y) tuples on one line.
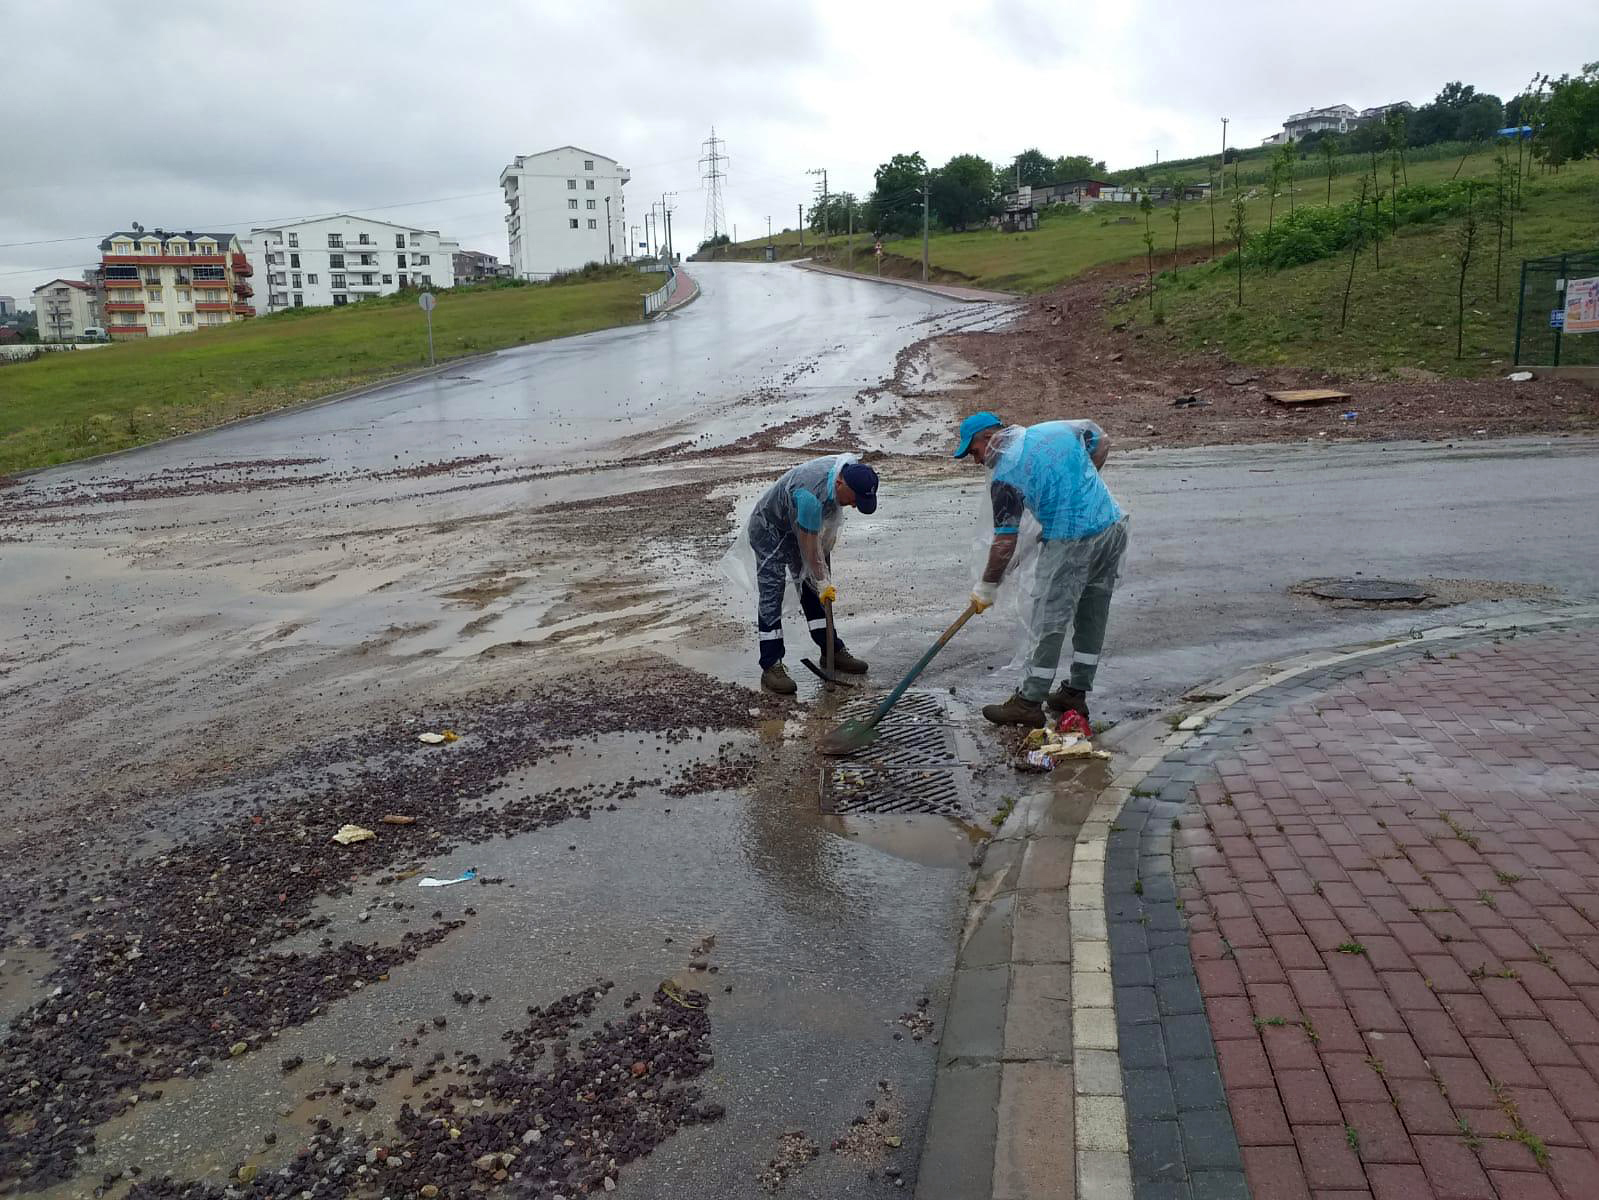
[(1051, 469)]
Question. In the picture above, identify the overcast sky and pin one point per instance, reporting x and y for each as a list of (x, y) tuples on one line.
[(227, 113)]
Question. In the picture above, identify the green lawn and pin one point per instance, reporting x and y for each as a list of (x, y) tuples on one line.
[(1401, 315), (1068, 242), (68, 406)]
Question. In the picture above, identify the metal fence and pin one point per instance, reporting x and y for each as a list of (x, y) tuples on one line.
[(1555, 290), (656, 300)]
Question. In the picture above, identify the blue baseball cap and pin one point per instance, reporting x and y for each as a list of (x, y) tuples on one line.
[(971, 427), (862, 481)]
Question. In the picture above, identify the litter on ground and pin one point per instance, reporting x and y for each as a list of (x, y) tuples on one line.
[(350, 834), (1045, 750), (434, 739), (397, 819), (466, 876), (1306, 396)]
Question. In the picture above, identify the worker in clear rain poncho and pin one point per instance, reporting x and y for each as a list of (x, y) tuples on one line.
[(791, 532), (1050, 471)]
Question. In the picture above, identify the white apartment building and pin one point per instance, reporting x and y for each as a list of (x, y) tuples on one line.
[(564, 209), (65, 308), (343, 259), (158, 283)]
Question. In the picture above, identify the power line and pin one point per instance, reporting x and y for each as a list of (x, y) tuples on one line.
[(712, 160)]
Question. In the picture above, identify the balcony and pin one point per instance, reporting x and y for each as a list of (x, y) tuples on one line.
[(241, 265), (161, 260), (244, 310), (134, 282), (212, 306), (203, 275), (240, 288), (124, 306)]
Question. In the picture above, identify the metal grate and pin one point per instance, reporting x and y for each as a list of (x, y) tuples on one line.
[(1372, 590), (912, 767)]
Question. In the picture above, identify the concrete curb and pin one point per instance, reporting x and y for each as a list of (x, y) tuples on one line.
[(982, 296), (1034, 1094), (685, 301)]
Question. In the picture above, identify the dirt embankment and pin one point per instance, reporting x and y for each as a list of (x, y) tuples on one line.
[(1063, 358)]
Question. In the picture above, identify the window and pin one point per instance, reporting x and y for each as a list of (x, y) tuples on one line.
[(299, 300), (177, 248), (279, 299), (388, 279), (157, 320), (294, 240), (572, 224), (366, 240), (401, 263), (278, 279), (399, 241), (593, 224), (427, 281), (294, 260), (571, 185), (335, 260), (296, 279), (366, 279), (186, 318), (335, 241), (588, 184), (588, 164), (404, 282), (274, 260), (153, 297), (341, 300), (183, 295), (310, 281), (589, 204), (337, 281), (571, 203), (420, 260), (369, 260)]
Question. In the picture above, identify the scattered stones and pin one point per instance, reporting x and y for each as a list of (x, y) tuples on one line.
[(795, 1150)]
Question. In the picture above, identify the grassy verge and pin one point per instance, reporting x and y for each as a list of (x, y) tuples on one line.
[(69, 406), (1401, 315)]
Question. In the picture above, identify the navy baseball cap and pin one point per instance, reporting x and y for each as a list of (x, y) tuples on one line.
[(971, 427), (862, 481)]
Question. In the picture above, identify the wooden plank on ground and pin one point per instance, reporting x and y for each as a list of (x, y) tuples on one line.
[(1306, 396)]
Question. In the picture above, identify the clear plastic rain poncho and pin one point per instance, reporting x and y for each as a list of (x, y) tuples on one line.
[(1050, 465), (770, 522)]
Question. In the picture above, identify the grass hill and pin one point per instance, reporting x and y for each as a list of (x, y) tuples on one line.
[(65, 406)]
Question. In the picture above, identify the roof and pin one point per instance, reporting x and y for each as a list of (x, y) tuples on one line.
[(82, 287), (338, 217), (579, 149), (164, 236)]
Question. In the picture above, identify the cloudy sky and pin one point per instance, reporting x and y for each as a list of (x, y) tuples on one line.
[(227, 113)]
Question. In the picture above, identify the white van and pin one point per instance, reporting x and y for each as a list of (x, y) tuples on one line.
[(94, 333)]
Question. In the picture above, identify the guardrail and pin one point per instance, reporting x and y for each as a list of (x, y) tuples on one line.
[(657, 300)]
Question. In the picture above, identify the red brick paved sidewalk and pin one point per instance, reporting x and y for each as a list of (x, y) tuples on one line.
[(1396, 930)]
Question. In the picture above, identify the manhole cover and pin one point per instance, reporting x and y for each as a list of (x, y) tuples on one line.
[(1393, 590), (912, 767)]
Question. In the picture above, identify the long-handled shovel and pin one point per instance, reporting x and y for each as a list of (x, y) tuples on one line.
[(853, 735), (826, 673)]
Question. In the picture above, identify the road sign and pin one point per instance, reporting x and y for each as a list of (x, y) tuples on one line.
[(1557, 318), (877, 248), (427, 301)]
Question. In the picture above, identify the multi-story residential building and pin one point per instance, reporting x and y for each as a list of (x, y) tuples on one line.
[(564, 209), (342, 259), (8, 306), (65, 308), (1379, 111), (1338, 118), (157, 283), (474, 264)]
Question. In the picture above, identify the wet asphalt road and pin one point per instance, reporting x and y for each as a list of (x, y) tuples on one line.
[(209, 617)]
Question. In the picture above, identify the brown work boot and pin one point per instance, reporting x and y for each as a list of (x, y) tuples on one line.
[(844, 661), (775, 679), (1016, 711), (1066, 699)]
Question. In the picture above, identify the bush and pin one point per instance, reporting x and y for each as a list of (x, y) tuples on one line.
[(1303, 236)]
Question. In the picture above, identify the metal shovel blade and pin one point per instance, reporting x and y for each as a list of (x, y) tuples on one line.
[(849, 737)]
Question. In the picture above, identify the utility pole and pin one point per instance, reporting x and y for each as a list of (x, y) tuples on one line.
[(610, 233), (666, 211), (768, 231), (632, 241), (1222, 182), (924, 228), (849, 207), (802, 226), (649, 230), (822, 171)]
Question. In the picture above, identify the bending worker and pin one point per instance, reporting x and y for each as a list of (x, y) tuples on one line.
[(1052, 471), (792, 531)]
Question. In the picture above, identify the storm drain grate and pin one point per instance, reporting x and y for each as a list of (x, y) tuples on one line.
[(1370, 590), (912, 767)]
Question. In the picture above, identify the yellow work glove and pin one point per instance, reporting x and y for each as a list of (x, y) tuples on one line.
[(829, 594), (983, 596)]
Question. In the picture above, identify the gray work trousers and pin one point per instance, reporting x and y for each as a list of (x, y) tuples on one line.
[(1072, 582)]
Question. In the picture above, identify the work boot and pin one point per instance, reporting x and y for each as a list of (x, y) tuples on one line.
[(844, 661), (1016, 711), (775, 679), (1066, 699)]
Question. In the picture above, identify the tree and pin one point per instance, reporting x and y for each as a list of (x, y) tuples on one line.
[(1274, 173), (1480, 119), (1147, 206), (1032, 167), (896, 203), (1357, 234), (1329, 151), (963, 192), (1210, 198), (1077, 166), (1504, 185), (833, 215), (1465, 240), (1240, 233), (1178, 187), (1396, 126), (1570, 118), (1287, 156)]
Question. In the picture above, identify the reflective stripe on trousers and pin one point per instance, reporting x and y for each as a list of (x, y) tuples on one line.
[(1072, 582)]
